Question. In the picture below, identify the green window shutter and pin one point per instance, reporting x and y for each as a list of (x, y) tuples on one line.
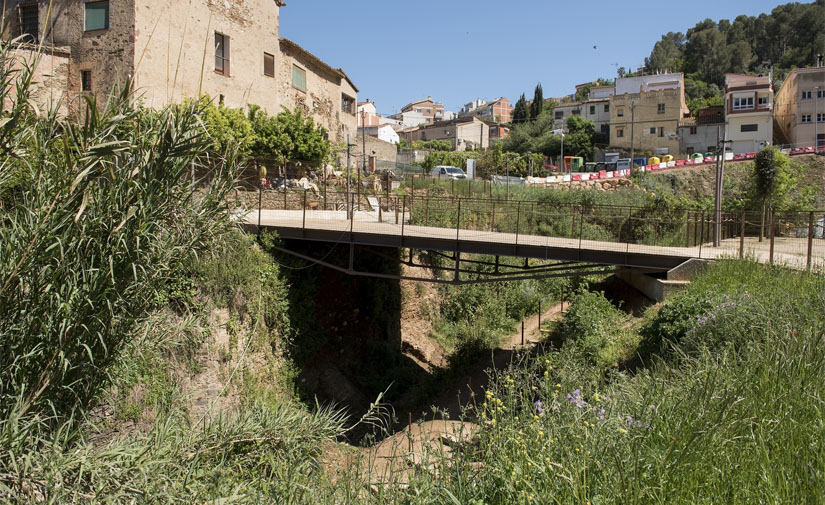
[(299, 78), (97, 16)]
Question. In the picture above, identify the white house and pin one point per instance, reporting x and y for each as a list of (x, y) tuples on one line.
[(383, 132)]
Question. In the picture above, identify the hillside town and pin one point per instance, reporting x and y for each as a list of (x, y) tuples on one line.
[(328, 253)]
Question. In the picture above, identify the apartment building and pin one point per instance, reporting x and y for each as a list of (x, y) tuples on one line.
[(799, 109), (171, 51), (596, 108), (427, 108), (645, 113), (748, 112), (463, 133), (499, 111), (383, 132)]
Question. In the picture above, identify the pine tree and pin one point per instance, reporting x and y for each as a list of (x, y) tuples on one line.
[(520, 112), (538, 102)]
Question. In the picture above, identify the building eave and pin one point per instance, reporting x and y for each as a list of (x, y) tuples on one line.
[(337, 72)]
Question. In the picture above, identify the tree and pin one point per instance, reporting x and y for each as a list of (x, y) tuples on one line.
[(308, 142), (538, 102), (772, 178), (520, 112), (667, 53)]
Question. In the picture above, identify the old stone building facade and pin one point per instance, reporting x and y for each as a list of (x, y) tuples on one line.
[(645, 113), (227, 49)]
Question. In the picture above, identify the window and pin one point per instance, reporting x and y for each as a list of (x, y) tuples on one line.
[(693, 130), (607, 107), (592, 110), (29, 23), (806, 95), (347, 104), (820, 118), (653, 131), (763, 100), (820, 93), (619, 132), (269, 65), (86, 80), (661, 132), (749, 128), (620, 112), (418, 111), (806, 118), (221, 54), (661, 108), (299, 78), (429, 111), (577, 112), (743, 103), (97, 16), (689, 150), (559, 114)]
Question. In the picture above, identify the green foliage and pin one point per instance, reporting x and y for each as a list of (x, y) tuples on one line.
[(596, 328), (772, 177), (105, 218), (432, 145), (537, 105), (289, 136), (521, 113)]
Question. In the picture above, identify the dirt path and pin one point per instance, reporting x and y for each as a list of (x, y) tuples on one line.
[(532, 335)]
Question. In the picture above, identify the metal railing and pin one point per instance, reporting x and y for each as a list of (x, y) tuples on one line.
[(795, 239)]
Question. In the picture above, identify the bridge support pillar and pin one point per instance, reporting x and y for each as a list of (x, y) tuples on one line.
[(658, 286)]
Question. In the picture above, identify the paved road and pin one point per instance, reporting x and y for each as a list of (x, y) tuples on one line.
[(336, 227)]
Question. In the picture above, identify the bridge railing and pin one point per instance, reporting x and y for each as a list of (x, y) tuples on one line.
[(792, 238)]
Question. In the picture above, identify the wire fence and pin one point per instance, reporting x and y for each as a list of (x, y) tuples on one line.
[(795, 239)]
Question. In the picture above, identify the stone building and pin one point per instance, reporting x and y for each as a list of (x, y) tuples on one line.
[(645, 113), (228, 49)]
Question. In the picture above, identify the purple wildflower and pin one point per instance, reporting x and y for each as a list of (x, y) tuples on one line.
[(539, 407)]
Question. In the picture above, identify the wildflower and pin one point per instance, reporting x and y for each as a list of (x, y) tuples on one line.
[(596, 397), (622, 431), (539, 407), (629, 420), (601, 414)]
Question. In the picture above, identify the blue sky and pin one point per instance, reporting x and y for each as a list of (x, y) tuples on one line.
[(397, 51)]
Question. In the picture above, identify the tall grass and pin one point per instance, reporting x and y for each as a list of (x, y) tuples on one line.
[(96, 216)]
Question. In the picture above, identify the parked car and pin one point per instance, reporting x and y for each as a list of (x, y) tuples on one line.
[(448, 172)]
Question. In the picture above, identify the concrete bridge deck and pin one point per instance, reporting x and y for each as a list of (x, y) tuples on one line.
[(367, 229)]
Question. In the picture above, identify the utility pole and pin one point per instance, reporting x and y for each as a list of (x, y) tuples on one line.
[(364, 142), (816, 119), (349, 150), (632, 134), (720, 177)]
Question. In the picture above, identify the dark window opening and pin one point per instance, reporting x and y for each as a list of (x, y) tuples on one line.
[(86, 80), (749, 128), (269, 65), (347, 104), (30, 23), (221, 54)]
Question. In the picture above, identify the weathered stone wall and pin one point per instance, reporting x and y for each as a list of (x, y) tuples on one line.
[(51, 73), (383, 151), (322, 98), (175, 51), (108, 54)]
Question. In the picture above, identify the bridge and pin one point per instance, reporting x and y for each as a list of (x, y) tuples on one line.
[(568, 239)]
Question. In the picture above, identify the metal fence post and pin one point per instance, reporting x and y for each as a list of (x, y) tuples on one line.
[(427, 210), (380, 209), (581, 224), (687, 228), (260, 205), (810, 240), (518, 219), (403, 212), (742, 237), (458, 221), (304, 224), (772, 224)]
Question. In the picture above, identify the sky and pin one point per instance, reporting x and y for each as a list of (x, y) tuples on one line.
[(398, 51)]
